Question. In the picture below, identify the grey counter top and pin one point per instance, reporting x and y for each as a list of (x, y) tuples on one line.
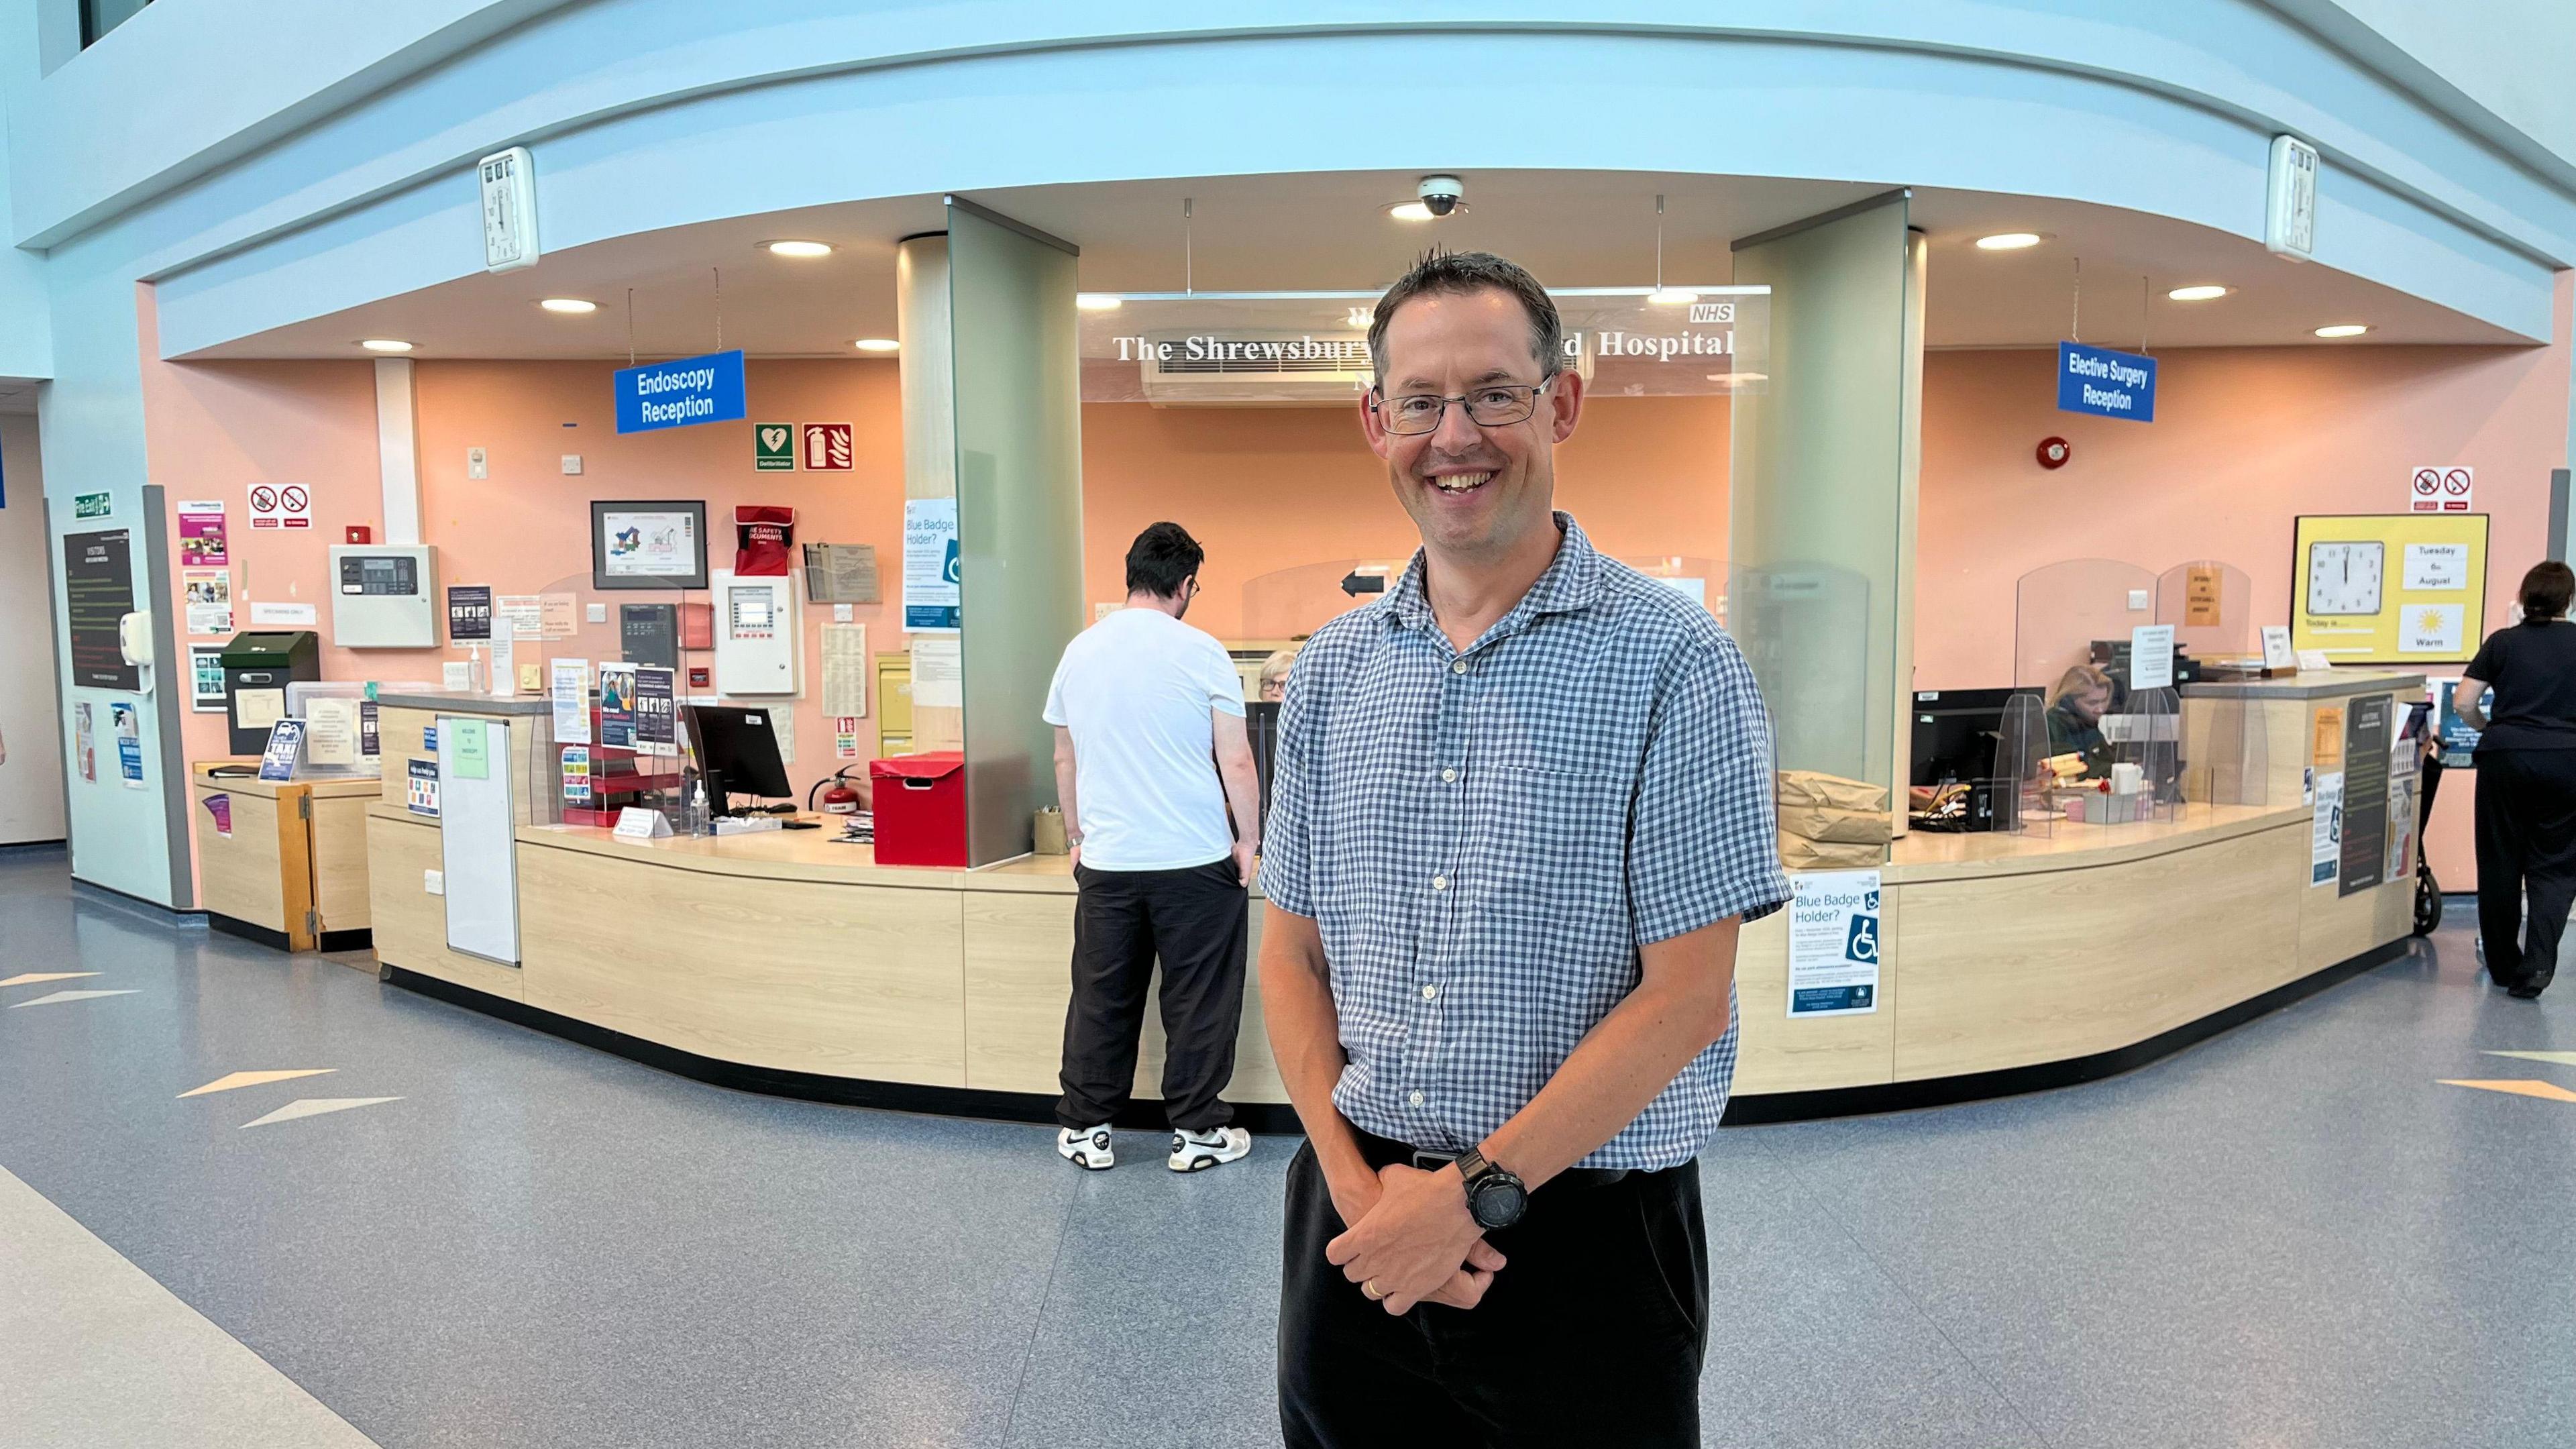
[(462, 702), (2310, 684)]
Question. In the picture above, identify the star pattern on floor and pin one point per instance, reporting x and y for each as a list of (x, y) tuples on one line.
[(315, 1107), (30, 978), (2548, 1091), (232, 1080), (61, 996)]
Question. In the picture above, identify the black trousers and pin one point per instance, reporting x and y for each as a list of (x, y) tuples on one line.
[(2526, 843), (1193, 919), (1593, 1333)]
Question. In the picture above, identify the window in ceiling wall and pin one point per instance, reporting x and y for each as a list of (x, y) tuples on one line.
[(98, 17)]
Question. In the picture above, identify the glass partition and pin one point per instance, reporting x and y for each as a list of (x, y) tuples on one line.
[(614, 665), (2211, 606), (2076, 613)]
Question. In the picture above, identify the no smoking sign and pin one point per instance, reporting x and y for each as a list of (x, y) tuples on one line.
[(2441, 490), (281, 505)]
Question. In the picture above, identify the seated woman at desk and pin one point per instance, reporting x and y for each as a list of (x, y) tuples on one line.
[(2075, 710)]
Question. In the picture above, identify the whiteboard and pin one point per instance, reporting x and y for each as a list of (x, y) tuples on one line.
[(478, 840)]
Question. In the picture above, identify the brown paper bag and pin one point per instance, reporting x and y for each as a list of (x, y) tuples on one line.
[(1833, 792), (1817, 822), (1800, 853)]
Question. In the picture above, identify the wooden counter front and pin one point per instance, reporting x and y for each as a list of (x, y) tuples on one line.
[(790, 951), (293, 864)]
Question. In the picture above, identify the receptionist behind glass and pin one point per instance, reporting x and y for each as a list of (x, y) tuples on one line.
[(2075, 710)]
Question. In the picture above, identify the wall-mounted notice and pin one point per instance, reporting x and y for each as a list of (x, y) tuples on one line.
[(773, 448), (209, 594), (2151, 656), (2436, 489), (938, 674), (841, 573), (85, 740), (128, 719), (2325, 838), (93, 505), (845, 737), (2203, 587), (1833, 943), (281, 505), (2106, 384), (420, 788), (98, 592), (932, 599), (523, 615), (680, 394), (657, 730), (287, 615), (202, 543), (845, 670), (206, 678), (827, 447), (469, 612), (568, 692)]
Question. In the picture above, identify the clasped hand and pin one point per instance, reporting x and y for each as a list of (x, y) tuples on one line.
[(1411, 1240)]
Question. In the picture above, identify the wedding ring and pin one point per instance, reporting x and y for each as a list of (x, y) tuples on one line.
[(1370, 1291)]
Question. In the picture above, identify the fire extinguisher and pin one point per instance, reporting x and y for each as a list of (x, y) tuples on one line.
[(841, 799)]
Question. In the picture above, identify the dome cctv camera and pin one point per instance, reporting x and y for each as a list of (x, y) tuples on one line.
[(1440, 194)]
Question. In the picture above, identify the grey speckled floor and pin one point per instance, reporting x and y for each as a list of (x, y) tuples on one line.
[(2287, 1237)]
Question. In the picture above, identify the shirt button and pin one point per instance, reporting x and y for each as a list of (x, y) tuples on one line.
[(1440, 882), (1448, 777), (1415, 1099), (1431, 993), (1458, 668)]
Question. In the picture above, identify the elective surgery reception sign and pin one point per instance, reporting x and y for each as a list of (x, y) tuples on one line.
[(679, 394), (2106, 384)]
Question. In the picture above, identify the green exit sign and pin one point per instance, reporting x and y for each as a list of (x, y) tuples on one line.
[(90, 505)]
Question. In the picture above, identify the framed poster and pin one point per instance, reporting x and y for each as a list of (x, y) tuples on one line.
[(2389, 588), (648, 544)]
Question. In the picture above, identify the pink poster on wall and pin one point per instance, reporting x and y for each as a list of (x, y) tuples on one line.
[(201, 534)]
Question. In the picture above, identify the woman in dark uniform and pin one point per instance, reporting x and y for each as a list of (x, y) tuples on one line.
[(2075, 710), (2526, 762)]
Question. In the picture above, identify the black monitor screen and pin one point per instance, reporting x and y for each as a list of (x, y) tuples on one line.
[(738, 753), (1954, 734)]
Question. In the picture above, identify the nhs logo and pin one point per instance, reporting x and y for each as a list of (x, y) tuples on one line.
[(1712, 311)]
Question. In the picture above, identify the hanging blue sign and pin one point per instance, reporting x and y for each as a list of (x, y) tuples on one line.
[(2106, 384), (678, 394)]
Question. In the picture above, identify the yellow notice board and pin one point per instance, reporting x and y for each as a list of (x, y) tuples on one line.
[(2390, 588)]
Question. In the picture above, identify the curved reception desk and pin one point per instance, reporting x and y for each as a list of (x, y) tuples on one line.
[(790, 962)]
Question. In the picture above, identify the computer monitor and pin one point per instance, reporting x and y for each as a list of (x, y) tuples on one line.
[(1261, 724), (1954, 734), (737, 754)]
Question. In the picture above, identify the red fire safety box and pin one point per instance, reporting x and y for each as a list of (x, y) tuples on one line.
[(920, 809)]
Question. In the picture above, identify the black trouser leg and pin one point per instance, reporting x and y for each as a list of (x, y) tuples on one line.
[(2536, 795), (1200, 917), (2500, 866), (1113, 965), (1593, 1333)]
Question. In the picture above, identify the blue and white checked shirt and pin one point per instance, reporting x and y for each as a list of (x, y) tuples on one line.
[(1485, 839)]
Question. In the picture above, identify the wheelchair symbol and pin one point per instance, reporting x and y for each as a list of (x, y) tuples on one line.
[(1863, 944)]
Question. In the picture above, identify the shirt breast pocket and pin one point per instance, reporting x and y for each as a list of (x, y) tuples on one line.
[(1552, 848)]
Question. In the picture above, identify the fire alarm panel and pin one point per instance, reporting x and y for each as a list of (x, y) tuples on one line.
[(382, 596), (759, 642)]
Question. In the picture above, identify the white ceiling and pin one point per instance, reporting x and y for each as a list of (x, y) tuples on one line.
[(1329, 231)]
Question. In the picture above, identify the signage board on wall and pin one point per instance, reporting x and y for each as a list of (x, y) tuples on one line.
[(2389, 588), (2441, 490), (933, 599), (281, 505), (773, 448), (680, 394), (469, 612), (2105, 383), (202, 544), (206, 678), (92, 505), (98, 592)]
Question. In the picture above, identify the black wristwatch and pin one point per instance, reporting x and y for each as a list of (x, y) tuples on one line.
[(1495, 1198)]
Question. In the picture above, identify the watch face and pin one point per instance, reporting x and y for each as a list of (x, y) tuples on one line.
[(1498, 1202), (2343, 578)]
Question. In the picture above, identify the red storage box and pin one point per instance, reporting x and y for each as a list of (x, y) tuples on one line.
[(920, 804)]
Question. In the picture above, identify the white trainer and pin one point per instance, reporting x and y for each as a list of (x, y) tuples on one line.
[(1198, 1151), (1087, 1148)]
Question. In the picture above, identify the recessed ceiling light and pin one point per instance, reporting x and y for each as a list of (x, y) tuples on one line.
[(2205, 292), (1098, 301), (1671, 297), (385, 344), (2342, 329), (799, 248), (877, 344), (572, 306), (1416, 211), (2009, 241)]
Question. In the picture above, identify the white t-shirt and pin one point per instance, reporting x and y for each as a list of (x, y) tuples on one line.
[(1136, 689)]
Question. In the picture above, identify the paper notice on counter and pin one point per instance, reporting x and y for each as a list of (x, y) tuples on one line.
[(845, 669), (2277, 653), (616, 705), (841, 573), (938, 673), (569, 693), (505, 668), (1833, 943), (2325, 844), (331, 732), (2151, 651)]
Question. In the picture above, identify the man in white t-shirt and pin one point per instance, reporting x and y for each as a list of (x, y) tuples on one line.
[(1150, 756)]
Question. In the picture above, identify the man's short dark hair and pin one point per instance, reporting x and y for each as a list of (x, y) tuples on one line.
[(1161, 558), (1445, 274), (2546, 589)]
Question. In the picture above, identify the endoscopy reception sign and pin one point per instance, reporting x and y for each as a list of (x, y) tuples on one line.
[(680, 394), (2106, 384)]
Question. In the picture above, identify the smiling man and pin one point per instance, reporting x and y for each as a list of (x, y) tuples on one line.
[(1522, 804)]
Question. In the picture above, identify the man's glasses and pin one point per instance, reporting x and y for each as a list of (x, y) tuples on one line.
[(1495, 405)]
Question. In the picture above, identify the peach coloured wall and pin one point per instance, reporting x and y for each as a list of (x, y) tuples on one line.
[(1271, 488)]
